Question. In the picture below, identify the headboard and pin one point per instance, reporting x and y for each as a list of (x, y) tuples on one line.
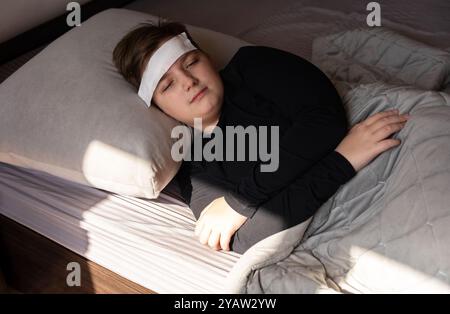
[(26, 25)]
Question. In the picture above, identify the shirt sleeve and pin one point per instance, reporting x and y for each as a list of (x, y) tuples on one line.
[(305, 97), (307, 193)]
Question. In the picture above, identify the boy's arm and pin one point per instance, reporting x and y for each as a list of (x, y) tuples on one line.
[(304, 96), (307, 193), (219, 221)]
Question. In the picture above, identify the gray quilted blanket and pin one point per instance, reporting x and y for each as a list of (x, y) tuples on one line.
[(388, 229)]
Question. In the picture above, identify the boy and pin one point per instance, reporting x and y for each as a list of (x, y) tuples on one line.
[(236, 204)]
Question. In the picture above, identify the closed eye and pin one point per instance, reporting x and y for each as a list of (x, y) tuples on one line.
[(167, 86), (195, 61)]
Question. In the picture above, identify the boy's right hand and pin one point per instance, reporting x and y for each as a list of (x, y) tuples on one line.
[(367, 139)]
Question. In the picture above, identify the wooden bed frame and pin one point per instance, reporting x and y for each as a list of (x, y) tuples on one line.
[(50, 30), (32, 263)]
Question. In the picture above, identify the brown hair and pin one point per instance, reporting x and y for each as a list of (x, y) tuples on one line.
[(133, 50)]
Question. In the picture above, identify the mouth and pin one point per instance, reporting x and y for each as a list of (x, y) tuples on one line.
[(199, 95)]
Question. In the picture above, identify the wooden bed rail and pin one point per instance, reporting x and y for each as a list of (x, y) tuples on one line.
[(31, 263)]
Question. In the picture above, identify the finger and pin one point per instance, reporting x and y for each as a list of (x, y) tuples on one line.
[(387, 130), (387, 120), (204, 235), (385, 145), (225, 239), (214, 239), (370, 120)]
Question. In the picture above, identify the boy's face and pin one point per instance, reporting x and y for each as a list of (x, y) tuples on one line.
[(190, 74)]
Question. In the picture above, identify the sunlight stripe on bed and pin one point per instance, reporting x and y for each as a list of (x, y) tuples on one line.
[(150, 242)]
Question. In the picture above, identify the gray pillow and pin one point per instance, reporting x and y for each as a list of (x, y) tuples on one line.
[(69, 112)]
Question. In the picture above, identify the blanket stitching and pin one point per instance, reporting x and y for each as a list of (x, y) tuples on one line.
[(428, 210)]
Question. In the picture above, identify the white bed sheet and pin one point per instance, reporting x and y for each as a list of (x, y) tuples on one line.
[(150, 242)]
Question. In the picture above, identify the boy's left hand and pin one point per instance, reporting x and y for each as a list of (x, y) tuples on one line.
[(217, 224)]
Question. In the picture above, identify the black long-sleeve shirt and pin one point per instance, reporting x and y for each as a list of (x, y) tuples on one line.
[(265, 86)]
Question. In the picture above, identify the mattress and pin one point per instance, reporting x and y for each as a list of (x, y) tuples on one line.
[(150, 242)]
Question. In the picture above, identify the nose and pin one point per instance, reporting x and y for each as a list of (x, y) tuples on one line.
[(189, 80)]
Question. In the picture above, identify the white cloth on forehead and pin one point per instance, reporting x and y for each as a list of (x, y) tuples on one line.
[(160, 62)]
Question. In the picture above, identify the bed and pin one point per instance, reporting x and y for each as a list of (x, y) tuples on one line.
[(150, 242)]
